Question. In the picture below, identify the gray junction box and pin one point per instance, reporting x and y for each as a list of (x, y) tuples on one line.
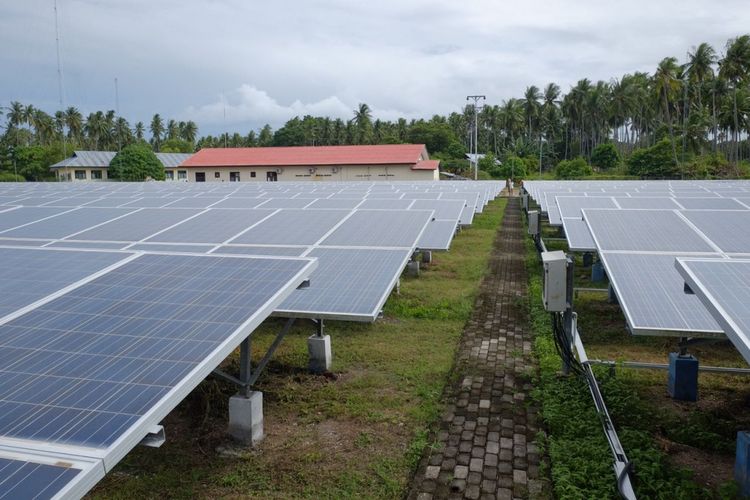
[(555, 281)]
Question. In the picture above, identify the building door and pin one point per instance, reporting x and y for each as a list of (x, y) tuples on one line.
[(272, 176), (200, 177), (234, 177)]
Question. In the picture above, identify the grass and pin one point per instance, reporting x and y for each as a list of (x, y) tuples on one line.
[(680, 450), (356, 433)]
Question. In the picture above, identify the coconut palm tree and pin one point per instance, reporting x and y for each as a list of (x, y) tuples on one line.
[(363, 120), (172, 129), (531, 109), (189, 131), (157, 131), (74, 123), (667, 86), (139, 130), (735, 68)]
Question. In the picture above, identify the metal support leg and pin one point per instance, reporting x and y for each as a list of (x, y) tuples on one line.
[(246, 368)]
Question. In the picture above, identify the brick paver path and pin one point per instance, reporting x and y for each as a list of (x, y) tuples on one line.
[(486, 437)]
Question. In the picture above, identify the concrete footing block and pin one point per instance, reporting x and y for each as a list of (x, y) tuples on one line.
[(319, 350), (246, 418), (426, 257), (412, 268)]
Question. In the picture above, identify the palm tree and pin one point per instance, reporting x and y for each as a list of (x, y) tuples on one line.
[(699, 68), (531, 108), (189, 131), (735, 67), (121, 132), (139, 131), (157, 130), (172, 129), (74, 122), (363, 120), (667, 86)]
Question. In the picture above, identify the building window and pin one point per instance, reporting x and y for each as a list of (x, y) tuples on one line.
[(234, 177), (96, 174), (217, 175), (80, 175), (252, 174), (169, 175), (182, 175)]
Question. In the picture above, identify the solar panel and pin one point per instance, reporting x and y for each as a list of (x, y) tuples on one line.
[(643, 230), (138, 225), (62, 225), (710, 203), (339, 203), (380, 228), (24, 215), (101, 245), (571, 206), (169, 247), (102, 363), (383, 204), (213, 226), (578, 235), (285, 203), (148, 203), (650, 292), (722, 227), (349, 284), (195, 202), (444, 209), (24, 478), (647, 203), (28, 275), (723, 287), (281, 251), (239, 202), (438, 235), (293, 227)]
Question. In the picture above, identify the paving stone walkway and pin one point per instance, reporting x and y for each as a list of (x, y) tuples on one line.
[(486, 437)]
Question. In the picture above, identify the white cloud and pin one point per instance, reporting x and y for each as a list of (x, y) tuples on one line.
[(410, 58), (249, 104)]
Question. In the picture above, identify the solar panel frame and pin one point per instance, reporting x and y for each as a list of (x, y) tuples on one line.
[(723, 287), (353, 276), (656, 304)]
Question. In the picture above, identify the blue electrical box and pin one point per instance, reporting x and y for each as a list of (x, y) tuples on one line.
[(742, 463), (683, 377), (597, 272)]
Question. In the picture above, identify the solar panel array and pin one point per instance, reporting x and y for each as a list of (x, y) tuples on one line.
[(647, 226), (105, 344), (118, 299), (275, 219)]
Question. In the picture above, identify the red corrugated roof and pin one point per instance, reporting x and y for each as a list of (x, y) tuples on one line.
[(384, 154), (426, 165)]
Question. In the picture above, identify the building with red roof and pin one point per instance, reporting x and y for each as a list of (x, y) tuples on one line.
[(391, 162)]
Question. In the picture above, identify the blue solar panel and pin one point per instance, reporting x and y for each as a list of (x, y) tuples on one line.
[(22, 479), (28, 275), (85, 367)]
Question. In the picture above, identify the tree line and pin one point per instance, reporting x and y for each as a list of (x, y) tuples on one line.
[(698, 110)]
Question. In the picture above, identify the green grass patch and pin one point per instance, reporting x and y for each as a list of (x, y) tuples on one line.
[(358, 434)]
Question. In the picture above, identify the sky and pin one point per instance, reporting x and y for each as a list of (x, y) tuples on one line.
[(236, 65)]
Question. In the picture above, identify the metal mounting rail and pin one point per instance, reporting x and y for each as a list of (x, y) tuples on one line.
[(623, 467)]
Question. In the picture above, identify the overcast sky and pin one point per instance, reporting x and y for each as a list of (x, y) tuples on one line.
[(237, 64)]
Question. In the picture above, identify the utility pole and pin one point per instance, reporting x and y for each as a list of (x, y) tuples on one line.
[(117, 110), (476, 99)]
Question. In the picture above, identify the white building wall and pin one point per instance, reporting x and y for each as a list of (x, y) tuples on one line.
[(297, 173)]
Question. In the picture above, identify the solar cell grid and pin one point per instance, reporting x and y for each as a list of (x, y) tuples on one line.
[(85, 367)]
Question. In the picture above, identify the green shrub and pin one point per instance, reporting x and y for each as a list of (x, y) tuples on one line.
[(573, 169), (656, 161), (10, 177), (136, 163), (605, 156)]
